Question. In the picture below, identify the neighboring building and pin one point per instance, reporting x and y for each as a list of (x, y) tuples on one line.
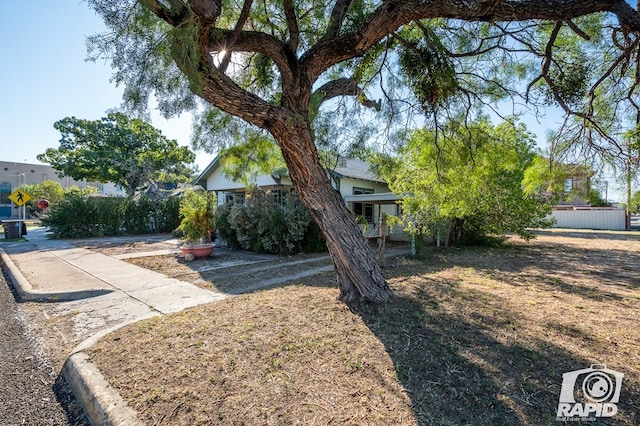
[(12, 175), (574, 210), (364, 193), (577, 186)]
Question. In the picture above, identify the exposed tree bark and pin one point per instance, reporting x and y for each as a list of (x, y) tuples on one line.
[(359, 275)]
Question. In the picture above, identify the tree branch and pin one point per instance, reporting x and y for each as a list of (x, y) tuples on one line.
[(207, 10), (344, 87), (174, 15), (577, 30), (292, 24), (242, 19), (338, 13), (392, 14)]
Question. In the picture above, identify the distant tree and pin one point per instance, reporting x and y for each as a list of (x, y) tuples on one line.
[(49, 190), (117, 149), (466, 184)]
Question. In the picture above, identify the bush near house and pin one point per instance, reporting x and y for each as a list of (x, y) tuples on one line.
[(80, 216), (265, 225)]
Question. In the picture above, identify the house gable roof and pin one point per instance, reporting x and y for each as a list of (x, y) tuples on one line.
[(355, 169), (346, 168), (202, 177)]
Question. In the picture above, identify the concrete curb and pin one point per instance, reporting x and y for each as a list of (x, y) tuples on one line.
[(102, 404), (28, 294)]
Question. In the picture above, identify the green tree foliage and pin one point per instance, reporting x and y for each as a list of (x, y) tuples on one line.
[(46, 190), (634, 207), (466, 185), (53, 192), (545, 179), (258, 155), (117, 149)]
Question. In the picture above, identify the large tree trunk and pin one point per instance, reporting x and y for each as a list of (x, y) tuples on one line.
[(359, 275)]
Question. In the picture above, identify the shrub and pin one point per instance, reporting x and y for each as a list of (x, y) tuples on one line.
[(74, 217), (80, 216), (264, 225)]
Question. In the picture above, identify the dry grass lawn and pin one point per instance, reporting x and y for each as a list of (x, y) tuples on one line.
[(474, 336)]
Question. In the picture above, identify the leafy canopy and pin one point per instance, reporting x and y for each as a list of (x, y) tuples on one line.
[(256, 60), (466, 183), (128, 152)]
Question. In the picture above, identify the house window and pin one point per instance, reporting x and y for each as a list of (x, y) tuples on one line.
[(568, 185), (5, 191), (363, 209)]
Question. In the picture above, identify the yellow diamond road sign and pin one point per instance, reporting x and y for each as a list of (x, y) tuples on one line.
[(19, 197)]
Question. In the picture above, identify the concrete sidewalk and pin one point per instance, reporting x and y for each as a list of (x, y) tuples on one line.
[(99, 294)]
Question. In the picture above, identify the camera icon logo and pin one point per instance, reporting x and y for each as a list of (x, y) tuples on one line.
[(590, 392)]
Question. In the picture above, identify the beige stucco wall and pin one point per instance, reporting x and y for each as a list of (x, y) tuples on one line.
[(15, 174)]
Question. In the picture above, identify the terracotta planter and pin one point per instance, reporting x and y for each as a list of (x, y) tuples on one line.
[(202, 250)]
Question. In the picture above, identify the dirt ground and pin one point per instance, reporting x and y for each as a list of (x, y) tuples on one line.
[(472, 336)]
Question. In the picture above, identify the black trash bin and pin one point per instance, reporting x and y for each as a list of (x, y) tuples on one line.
[(10, 229)]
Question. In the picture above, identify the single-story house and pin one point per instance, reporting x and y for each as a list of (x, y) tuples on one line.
[(365, 194)]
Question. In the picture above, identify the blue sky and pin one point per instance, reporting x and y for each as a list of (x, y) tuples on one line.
[(46, 78)]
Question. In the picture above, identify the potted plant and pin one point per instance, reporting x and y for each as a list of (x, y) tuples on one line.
[(197, 226)]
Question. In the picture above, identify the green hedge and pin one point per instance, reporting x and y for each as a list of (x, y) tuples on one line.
[(266, 226), (79, 216)]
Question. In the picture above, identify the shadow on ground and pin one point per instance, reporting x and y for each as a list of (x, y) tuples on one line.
[(476, 354), (457, 372)]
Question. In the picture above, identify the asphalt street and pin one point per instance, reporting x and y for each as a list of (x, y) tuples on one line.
[(31, 393)]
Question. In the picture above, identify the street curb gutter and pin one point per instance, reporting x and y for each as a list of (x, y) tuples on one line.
[(102, 404), (28, 294)]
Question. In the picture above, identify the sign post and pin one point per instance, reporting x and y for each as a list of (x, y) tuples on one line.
[(20, 198)]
